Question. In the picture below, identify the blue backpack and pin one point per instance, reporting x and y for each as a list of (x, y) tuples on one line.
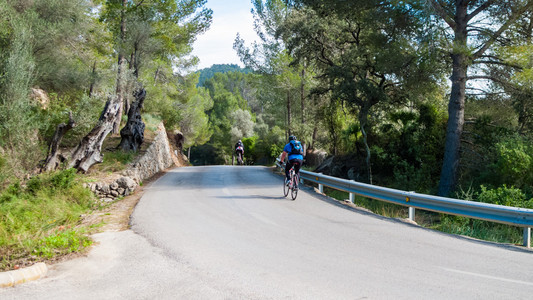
[(296, 147)]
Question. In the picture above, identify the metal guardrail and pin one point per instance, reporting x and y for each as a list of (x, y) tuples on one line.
[(520, 217)]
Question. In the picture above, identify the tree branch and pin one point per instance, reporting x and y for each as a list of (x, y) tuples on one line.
[(481, 8), (323, 53), (491, 62), (139, 4), (487, 77), (443, 14), (504, 27)]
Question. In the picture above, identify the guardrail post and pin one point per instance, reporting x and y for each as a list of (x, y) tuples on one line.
[(352, 197), (321, 188), (527, 237), (411, 213)]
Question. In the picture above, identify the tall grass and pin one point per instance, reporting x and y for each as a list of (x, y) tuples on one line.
[(479, 229), (40, 220), (115, 161)]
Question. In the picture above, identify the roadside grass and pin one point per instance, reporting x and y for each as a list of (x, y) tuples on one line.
[(474, 228), (479, 229), (116, 161), (40, 220)]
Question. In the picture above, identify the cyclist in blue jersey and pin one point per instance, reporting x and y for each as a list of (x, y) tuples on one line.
[(294, 151)]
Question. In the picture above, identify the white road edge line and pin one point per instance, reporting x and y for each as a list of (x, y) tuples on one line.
[(488, 276)]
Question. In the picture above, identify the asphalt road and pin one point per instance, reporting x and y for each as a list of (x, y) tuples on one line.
[(227, 233)]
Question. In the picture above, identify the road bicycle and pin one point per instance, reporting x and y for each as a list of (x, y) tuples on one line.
[(239, 159), (239, 151), (292, 185)]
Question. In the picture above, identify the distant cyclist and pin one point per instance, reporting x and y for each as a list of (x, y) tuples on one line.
[(239, 152), (295, 157)]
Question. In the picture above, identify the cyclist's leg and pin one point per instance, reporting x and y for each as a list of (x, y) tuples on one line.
[(288, 167), (297, 164)]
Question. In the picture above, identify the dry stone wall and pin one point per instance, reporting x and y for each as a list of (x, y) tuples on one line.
[(158, 157)]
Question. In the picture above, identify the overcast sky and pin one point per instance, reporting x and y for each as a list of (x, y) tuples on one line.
[(229, 18)]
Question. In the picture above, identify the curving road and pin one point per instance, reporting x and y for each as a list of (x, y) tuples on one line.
[(227, 233)]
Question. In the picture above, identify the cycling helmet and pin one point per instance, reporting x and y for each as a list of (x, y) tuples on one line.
[(292, 138), (240, 141)]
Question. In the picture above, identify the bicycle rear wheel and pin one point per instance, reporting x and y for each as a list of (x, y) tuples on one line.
[(285, 188), (295, 187)]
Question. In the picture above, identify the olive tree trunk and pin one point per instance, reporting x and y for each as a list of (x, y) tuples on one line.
[(89, 150), (55, 158), (133, 133)]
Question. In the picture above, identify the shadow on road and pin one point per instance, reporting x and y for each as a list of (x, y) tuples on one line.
[(216, 177), (254, 197)]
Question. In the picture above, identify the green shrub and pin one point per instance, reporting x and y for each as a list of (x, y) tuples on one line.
[(55, 181), (515, 160), (249, 146), (511, 163), (171, 116), (11, 193), (505, 196)]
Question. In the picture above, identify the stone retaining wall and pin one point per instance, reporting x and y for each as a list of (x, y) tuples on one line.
[(158, 157)]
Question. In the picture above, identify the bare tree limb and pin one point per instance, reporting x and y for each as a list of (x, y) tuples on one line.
[(504, 27), (478, 10), (443, 14), (54, 158), (491, 62)]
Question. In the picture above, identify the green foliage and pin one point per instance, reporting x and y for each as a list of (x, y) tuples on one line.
[(505, 196), (28, 214), (243, 125), (3, 172), (62, 242), (170, 114), (229, 118), (11, 192), (250, 152), (17, 113), (56, 181), (409, 150), (514, 161), (268, 143), (181, 105), (480, 229), (158, 30), (208, 73), (485, 230), (509, 161), (118, 160)]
